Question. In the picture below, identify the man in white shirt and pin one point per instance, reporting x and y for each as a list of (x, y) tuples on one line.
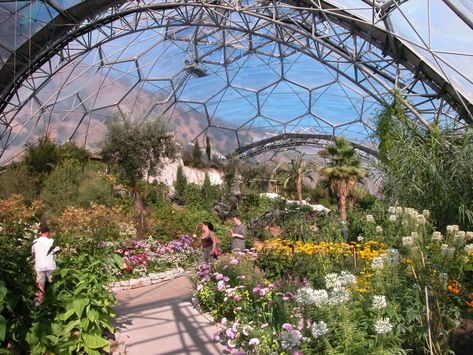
[(44, 260)]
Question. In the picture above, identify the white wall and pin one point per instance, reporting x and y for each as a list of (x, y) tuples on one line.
[(193, 175)]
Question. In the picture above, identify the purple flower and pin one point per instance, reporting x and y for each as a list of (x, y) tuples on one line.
[(218, 276)]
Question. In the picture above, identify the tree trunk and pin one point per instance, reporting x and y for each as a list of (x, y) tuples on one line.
[(299, 188), (139, 213), (342, 205)]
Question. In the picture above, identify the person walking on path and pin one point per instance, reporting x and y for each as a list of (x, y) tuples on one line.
[(44, 260), (238, 234), (209, 241)]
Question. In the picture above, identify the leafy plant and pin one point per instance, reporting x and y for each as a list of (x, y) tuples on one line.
[(76, 314)]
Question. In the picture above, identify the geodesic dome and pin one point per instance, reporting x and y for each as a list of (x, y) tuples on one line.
[(250, 75)]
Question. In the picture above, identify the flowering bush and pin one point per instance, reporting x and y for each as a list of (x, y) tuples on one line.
[(77, 226), (405, 291)]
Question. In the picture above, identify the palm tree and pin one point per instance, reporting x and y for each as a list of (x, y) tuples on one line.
[(343, 171), (295, 172)]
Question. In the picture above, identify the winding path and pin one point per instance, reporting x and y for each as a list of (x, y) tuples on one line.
[(160, 319)]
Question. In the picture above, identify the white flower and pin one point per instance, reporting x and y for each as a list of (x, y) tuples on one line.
[(469, 236), (446, 250), (398, 210), (392, 218), (360, 238), (370, 218), (421, 219), (459, 238), (437, 236), (379, 229), (407, 241), (392, 256), (290, 339), (319, 329), (453, 229), (347, 278), (379, 302), (392, 209), (336, 281), (469, 249), (426, 213), (383, 326), (254, 342), (247, 330), (338, 296), (307, 295), (377, 263)]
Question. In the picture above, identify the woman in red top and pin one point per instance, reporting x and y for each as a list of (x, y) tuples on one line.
[(209, 241)]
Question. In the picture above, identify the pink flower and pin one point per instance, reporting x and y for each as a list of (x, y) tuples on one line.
[(218, 277), (264, 325), (287, 326), (220, 285), (254, 341), (300, 324), (270, 286), (234, 262), (237, 309), (237, 298), (230, 333), (223, 321)]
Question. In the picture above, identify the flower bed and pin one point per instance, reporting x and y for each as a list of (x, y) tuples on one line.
[(339, 298), (143, 258)]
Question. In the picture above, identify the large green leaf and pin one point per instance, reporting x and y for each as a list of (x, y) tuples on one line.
[(93, 315), (79, 304), (94, 341), (3, 327)]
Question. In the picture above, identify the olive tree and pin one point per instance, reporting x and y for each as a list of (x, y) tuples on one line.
[(136, 150)]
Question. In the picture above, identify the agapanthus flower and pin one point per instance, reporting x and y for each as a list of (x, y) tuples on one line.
[(383, 326), (319, 329)]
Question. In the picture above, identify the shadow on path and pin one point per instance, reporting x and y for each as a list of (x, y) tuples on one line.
[(160, 319)]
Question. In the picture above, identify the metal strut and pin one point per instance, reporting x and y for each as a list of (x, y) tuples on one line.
[(179, 84)]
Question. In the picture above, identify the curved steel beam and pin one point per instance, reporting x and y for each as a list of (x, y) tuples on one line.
[(60, 31), (290, 140)]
